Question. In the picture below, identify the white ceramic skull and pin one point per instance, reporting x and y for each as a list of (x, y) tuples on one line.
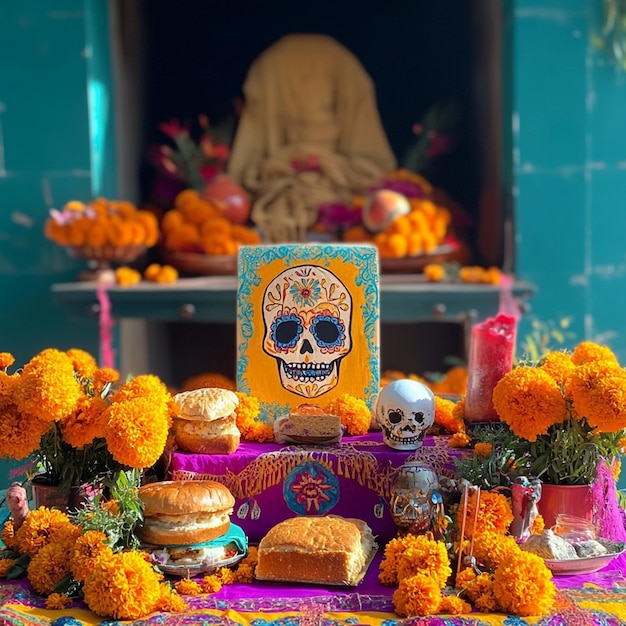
[(405, 409), (307, 312)]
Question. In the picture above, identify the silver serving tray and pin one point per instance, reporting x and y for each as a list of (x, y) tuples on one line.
[(188, 571), (587, 565)]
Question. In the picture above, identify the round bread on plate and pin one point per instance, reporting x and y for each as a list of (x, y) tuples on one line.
[(184, 512), (206, 422)]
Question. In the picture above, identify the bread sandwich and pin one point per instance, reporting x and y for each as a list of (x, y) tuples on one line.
[(308, 423), (206, 422), (187, 522), (327, 550)]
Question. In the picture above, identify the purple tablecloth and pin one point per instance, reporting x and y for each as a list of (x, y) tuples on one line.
[(272, 482)]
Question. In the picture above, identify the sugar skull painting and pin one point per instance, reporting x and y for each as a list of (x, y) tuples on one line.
[(307, 324), (307, 311)]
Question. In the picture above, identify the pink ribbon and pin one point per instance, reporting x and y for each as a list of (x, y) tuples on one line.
[(107, 354)]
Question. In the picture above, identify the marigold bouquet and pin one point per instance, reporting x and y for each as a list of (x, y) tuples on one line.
[(64, 413), (570, 409)]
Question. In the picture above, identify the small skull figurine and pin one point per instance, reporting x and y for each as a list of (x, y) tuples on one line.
[(405, 409)]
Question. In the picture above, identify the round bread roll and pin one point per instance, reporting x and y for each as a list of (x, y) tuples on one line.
[(184, 512), (206, 422), (206, 404)]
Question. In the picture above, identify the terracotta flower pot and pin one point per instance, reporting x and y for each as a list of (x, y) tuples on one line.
[(51, 496), (575, 500)]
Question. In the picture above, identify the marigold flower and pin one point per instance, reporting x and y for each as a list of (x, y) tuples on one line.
[(188, 587), (6, 360), (459, 440), (244, 573), (48, 387), (225, 575), (102, 377), (84, 364), (529, 400), (524, 585), (8, 535), (87, 423), (588, 351), (5, 566), (48, 567), (20, 433), (170, 601), (598, 391), (171, 221), (209, 379), (453, 605), (483, 449), (538, 525), (417, 595), (491, 548), (354, 413), (137, 431), (494, 514), (480, 592), (445, 417), (127, 276), (211, 584), (434, 272), (39, 529), (559, 365), (87, 551), (465, 577), (123, 586), (57, 601)]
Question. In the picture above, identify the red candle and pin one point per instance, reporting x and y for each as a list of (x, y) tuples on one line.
[(492, 349)]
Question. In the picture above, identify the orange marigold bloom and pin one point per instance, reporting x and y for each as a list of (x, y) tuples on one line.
[(209, 379), (8, 535), (483, 449), (123, 586), (354, 413), (48, 567), (444, 415), (48, 387), (87, 423), (183, 238), (491, 548), (84, 363), (57, 601), (559, 365), (434, 272), (538, 525), (6, 360), (465, 577), (186, 198), (188, 587), (480, 592), (417, 595), (524, 585), (87, 551), (170, 601), (598, 392), (5, 565), (244, 573), (211, 584), (529, 400), (459, 440), (20, 433), (587, 351), (425, 554), (356, 234), (127, 276), (104, 376), (171, 221), (494, 514), (453, 605), (137, 431)]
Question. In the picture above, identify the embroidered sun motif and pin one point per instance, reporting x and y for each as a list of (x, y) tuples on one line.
[(311, 489)]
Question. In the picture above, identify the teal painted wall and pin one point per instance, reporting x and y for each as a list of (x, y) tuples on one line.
[(569, 168), (48, 155)]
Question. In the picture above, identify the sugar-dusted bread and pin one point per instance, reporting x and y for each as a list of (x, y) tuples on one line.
[(308, 423), (327, 549)]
